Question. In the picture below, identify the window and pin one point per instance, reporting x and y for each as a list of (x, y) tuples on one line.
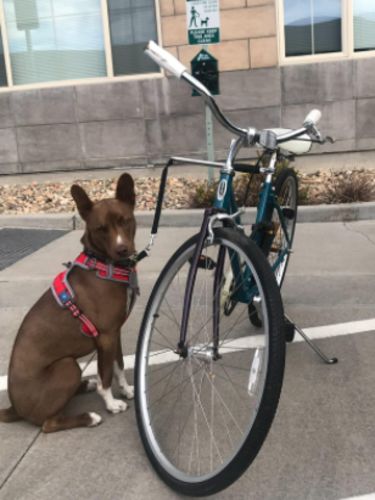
[(312, 27), (316, 29), (132, 25), (3, 75), (364, 25), (56, 40)]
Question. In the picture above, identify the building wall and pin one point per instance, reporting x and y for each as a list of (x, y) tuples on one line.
[(142, 122), (248, 33)]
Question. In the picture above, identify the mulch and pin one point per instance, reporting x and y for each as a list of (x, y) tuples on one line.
[(54, 197)]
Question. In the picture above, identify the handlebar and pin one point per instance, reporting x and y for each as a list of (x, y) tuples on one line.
[(165, 59), (313, 118), (250, 136), (174, 66)]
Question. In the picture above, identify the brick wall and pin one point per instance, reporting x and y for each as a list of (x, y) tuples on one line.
[(248, 33)]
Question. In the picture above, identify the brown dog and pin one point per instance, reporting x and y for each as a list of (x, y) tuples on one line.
[(43, 373)]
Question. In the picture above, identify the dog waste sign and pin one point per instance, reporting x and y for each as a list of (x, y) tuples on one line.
[(205, 69), (203, 21)]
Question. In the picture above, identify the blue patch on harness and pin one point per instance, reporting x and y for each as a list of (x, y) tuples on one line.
[(64, 297)]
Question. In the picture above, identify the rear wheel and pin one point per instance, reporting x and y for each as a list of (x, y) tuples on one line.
[(204, 416), (286, 191)]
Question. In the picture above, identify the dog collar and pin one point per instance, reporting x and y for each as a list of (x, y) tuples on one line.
[(64, 294), (106, 271)]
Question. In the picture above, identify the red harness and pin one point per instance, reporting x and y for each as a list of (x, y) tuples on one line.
[(64, 294)]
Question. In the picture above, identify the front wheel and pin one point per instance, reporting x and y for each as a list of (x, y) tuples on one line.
[(203, 416)]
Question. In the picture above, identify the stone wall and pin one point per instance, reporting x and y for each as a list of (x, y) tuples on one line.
[(143, 122)]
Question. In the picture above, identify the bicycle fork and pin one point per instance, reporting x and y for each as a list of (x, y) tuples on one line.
[(210, 216), (182, 347)]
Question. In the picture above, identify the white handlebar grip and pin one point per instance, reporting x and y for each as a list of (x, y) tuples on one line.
[(165, 59), (313, 117)]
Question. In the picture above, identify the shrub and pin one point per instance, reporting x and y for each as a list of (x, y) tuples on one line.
[(204, 194), (349, 187)]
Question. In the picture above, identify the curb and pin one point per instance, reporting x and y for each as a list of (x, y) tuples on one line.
[(193, 217)]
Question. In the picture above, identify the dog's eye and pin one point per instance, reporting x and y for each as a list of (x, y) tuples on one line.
[(123, 222), (102, 228)]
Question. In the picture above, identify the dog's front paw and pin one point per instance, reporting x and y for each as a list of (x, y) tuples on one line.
[(127, 391), (116, 406)]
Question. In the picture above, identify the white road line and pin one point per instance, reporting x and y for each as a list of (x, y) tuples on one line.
[(315, 333), (370, 496)]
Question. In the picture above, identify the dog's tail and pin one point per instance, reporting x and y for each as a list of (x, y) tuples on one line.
[(9, 415)]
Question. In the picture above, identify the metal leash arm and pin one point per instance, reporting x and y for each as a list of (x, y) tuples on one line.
[(174, 161), (155, 225)]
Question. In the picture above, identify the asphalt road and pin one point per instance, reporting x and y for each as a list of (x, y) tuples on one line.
[(322, 442)]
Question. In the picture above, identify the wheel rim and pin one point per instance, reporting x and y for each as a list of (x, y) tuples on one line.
[(287, 198), (197, 412)]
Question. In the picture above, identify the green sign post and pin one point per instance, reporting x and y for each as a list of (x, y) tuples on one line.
[(205, 69), (203, 27)]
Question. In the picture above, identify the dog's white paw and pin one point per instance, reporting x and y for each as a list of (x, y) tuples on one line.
[(95, 419), (116, 406), (127, 391)]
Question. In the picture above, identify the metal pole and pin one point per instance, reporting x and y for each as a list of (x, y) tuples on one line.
[(209, 138), (210, 143)]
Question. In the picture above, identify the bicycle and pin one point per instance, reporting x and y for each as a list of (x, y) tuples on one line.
[(211, 350)]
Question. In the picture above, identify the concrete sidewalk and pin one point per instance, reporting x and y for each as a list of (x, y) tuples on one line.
[(321, 445)]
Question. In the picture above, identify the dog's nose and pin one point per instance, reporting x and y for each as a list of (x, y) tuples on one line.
[(122, 249)]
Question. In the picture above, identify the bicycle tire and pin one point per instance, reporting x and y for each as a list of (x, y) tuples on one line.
[(286, 179), (271, 359), (286, 183)]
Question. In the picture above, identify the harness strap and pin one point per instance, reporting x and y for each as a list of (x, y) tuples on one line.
[(64, 294), (87, 327)]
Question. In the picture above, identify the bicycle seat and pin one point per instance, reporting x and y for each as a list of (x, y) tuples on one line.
[(295, 146)]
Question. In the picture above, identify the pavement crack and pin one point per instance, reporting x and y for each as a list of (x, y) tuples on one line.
[(366, 236), (13, 469)]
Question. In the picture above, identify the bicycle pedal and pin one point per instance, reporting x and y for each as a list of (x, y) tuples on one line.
[(288, 213), (205, 262), (289, 330)]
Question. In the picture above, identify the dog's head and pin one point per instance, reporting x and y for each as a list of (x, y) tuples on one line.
[(110, 223)]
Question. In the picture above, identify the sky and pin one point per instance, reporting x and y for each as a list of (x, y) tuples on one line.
[(297, 11)]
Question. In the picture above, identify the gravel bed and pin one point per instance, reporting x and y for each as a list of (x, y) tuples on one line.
[(54, 197)]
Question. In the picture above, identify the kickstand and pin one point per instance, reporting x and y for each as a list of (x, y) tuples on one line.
[(291, 326)]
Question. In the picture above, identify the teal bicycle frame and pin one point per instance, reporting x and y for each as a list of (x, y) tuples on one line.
[(262, 232)]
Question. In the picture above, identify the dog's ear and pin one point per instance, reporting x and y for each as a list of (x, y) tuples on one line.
[(83, 202), (125, 189)]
